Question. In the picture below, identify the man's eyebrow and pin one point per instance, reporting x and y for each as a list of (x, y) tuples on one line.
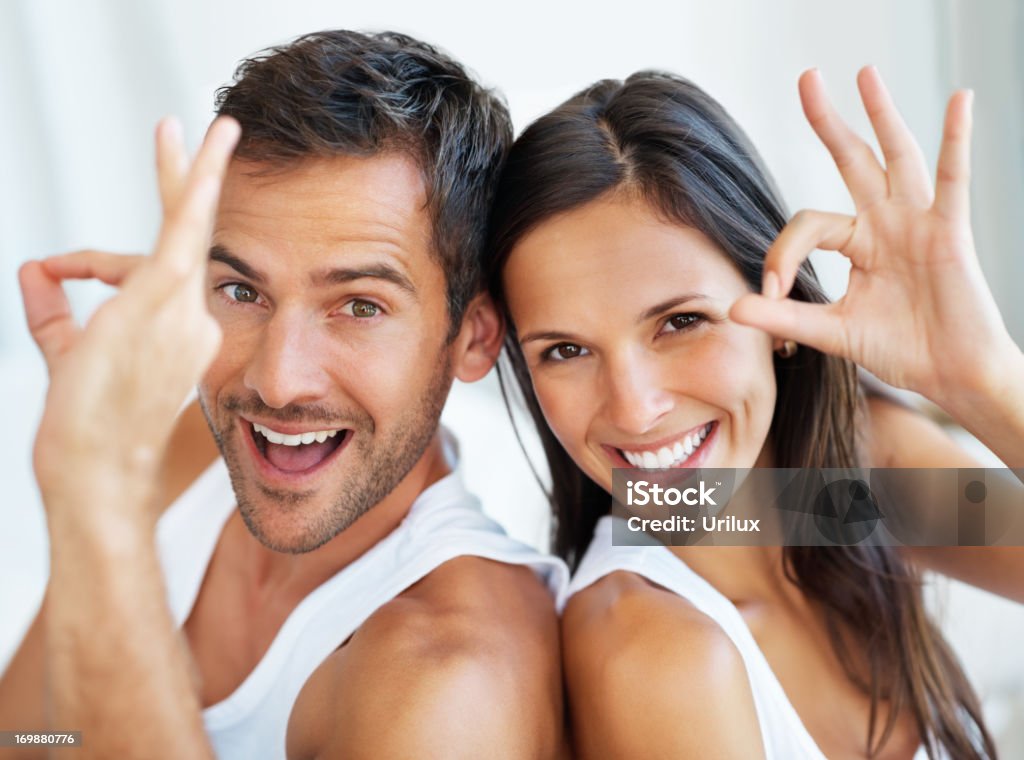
[(224, 256), (654, 311), (378, 271), (322, 278)]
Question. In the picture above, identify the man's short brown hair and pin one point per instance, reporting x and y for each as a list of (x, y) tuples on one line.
[(347, 93)]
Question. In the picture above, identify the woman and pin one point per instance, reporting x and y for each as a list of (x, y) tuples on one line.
[(632, 230)]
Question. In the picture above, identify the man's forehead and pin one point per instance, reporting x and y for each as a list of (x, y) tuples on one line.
[(386, 190), (344, 199)]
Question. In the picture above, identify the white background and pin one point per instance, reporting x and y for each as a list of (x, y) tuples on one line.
[(83, 83)]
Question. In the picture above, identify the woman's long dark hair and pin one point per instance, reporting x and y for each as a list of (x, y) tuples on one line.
[(664, 140)]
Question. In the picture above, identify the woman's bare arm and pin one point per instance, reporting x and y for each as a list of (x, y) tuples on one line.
[(901, 437)]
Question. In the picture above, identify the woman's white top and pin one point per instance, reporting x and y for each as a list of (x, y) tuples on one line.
[(783, 734), (446, 521)]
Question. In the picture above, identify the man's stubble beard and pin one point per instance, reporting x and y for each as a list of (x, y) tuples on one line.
[(386, 463)]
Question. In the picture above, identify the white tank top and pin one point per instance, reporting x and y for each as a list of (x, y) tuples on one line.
[(783, 734), (444, 522)]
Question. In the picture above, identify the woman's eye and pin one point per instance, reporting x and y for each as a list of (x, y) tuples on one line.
[(240, 293), (564, 351), (681, 322), (363, 309)]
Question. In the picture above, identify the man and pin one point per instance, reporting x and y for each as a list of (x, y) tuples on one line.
[(356, 602)]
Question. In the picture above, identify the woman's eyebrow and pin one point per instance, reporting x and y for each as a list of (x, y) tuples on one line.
[(547, 335), (654, 311), (671, 303)]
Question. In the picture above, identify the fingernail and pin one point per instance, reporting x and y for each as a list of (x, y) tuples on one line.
[(771, 286)]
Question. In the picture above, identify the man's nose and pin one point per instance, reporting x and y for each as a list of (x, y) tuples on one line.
[(637, 398), (287, 367)]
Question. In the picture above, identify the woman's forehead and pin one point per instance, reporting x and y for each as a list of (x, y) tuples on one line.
[(615, 246)]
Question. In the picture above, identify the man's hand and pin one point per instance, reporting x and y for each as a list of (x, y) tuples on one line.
[(116, 665), (117, 384)]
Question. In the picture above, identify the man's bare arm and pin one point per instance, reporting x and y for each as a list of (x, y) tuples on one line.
[(22, 694), (118, 668)]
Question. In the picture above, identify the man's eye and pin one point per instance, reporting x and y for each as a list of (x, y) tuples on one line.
[(363, 309), (236, 291), (564, 351)]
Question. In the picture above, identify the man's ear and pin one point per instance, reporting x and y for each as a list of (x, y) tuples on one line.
[(476, 347)]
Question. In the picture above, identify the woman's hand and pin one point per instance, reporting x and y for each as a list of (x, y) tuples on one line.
[(117, 384), (917, 312)]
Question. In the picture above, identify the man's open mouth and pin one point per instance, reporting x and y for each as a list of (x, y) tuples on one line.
[(297, 452)]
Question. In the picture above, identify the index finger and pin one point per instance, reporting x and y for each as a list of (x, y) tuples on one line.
[(47, 311), (806, 231), (184, 238)]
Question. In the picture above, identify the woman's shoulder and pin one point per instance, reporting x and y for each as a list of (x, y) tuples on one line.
[(646, 669)]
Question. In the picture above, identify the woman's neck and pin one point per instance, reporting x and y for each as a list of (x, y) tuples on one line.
[(739, 573)]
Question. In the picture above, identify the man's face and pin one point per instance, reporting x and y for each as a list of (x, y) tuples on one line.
[(334, 318)]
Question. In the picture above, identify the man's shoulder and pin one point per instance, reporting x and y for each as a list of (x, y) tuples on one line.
[(450, 660), (467, 607)]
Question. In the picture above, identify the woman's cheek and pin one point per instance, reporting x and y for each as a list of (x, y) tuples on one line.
[(559, 403), (738, 376)]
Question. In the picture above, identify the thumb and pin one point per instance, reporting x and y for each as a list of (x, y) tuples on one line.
[(810, 324), (47, 311)]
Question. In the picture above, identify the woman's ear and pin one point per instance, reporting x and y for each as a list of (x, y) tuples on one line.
[(476, 347)]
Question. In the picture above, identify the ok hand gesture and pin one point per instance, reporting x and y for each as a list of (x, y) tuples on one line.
[(917, 312)]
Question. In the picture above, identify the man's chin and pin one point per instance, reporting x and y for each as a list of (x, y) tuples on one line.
[(287, 532)]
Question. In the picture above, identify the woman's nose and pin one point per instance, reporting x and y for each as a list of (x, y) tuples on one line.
[(637, 399)]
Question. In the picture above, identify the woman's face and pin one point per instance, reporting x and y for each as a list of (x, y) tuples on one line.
[(624, 322)]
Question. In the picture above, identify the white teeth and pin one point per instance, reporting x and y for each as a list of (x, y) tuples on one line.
[(294, 440), (665, 456)]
